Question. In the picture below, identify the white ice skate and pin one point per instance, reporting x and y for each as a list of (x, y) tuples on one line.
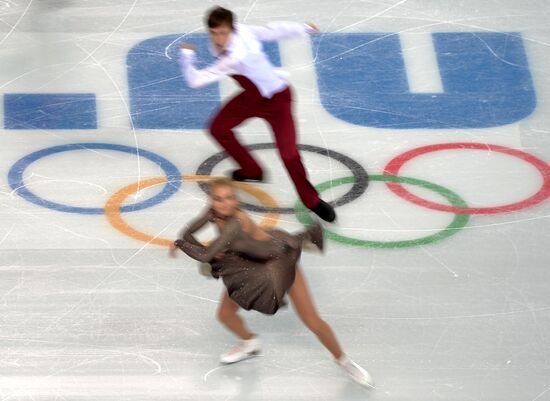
[(243, 350), (356, 372)]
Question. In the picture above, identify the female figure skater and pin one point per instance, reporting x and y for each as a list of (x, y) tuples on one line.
[(258, 268)]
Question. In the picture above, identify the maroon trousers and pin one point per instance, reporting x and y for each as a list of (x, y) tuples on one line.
[(277, 111)]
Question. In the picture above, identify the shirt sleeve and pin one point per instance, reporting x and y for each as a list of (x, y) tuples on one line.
[(206, 253), (280, 30), (197, 78)]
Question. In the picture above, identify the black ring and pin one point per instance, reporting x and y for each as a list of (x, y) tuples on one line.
[(359, 173)]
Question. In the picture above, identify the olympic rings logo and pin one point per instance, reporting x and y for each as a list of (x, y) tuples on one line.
[(113, 206), (359, 180)]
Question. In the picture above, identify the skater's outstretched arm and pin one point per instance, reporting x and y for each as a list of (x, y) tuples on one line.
[(194, 249), (257, 249), (282, 30), (196, 78), (195, 226)]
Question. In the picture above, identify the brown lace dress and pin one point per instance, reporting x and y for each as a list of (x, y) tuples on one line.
[(257, 273)]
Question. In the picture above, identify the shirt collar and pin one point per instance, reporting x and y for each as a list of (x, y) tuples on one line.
[(228, 49)]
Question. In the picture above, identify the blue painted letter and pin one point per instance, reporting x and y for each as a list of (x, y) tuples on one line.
[(486, 81)]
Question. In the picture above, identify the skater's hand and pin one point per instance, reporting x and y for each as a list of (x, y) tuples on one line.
[(313, 26), (187, 46), (173, 251)]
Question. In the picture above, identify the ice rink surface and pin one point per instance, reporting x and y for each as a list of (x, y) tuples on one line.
[(427, 121)]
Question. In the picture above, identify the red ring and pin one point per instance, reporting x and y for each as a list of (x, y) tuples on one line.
[(393, 167)]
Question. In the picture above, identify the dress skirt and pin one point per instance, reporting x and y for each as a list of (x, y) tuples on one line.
[(258, 285)]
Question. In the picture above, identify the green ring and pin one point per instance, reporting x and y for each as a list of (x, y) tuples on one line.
[(459, 221)]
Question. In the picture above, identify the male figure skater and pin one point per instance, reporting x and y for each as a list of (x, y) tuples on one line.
[(266, 95)]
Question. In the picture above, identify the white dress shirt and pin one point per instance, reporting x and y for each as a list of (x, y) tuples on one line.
[(244, 56)]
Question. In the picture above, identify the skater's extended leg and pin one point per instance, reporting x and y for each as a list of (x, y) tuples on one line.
[(282, 123), (303, 304)]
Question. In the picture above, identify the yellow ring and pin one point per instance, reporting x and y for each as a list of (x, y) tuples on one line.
[(112, 207)]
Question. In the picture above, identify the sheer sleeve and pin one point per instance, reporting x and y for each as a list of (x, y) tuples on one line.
[(194, 226), (206, 253), (262, 250)]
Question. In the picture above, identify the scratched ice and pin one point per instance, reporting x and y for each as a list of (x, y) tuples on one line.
[(436, 306)]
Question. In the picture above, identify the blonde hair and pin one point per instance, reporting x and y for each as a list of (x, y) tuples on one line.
[(219, 182)]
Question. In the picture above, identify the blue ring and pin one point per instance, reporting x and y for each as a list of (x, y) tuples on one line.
[(15, 177)]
